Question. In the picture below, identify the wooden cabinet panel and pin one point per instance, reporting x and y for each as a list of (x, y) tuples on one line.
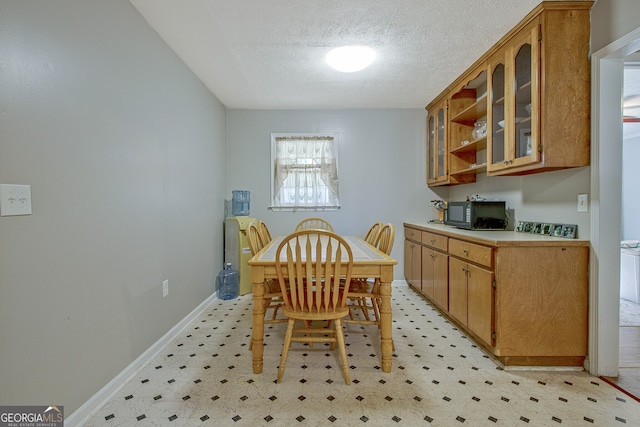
[(412, 234), (436, 241), (412, 264), (480, 305), (435, 274), (427, 272), (471, 298), (458, 290), (471, 252), (542, 294), (441, 279)]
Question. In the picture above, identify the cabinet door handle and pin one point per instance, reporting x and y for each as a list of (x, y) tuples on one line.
[(466, 251), (432, 240)]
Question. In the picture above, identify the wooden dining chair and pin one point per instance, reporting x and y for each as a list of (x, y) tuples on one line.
[(314, 224), (364, 290), (372, 235), (272, 294), (314, 270), (254, 238), (264, 232)]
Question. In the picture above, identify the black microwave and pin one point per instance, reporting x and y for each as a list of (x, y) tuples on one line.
[(477, 215)]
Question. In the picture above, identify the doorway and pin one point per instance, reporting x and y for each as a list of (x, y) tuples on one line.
[(629, 332), (606, 179)]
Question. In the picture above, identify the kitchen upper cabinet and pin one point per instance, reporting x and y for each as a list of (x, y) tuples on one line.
[(537, 80), (437, 148), (514, 112)]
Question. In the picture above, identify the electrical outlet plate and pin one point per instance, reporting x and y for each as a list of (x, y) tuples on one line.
[(15, 200)]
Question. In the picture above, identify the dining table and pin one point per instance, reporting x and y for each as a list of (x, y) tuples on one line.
[(368, 263)]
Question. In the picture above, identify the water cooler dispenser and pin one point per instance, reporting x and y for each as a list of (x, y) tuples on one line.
[(237, 250)]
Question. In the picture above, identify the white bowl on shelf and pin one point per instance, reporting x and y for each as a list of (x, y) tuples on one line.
[(518, 120)]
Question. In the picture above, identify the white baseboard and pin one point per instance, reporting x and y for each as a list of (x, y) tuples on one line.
[(81, 415)]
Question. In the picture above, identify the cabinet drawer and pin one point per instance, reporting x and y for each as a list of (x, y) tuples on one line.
[(478, 254), (412, 234), (435, 241)]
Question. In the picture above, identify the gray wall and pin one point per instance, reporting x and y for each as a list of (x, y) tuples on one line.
[(125, 153), (546, 197), (382, 166), (612, 20)]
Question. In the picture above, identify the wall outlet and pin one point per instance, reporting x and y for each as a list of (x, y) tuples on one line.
[(583, 203), (165, 288)]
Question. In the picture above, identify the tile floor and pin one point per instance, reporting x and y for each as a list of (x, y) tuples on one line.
[(439, 378)]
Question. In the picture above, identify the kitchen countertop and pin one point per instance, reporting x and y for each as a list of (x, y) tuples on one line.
[(497, 237)]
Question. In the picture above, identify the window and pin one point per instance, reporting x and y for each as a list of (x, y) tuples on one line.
[(304, 171)]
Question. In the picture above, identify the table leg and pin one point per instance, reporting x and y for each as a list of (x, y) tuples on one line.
[(386, 339), (257, 334)]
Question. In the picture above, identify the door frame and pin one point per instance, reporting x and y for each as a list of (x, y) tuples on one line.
[(607, 88)]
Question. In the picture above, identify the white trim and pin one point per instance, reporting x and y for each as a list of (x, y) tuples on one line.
[(91, 406), (606, 125)]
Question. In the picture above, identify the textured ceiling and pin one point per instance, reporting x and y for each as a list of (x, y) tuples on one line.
[(269, 54)]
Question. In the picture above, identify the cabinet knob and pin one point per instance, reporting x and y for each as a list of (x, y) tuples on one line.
[(432, 240)]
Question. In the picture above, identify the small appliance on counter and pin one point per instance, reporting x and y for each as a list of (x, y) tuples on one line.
[(477, 215), (441, 207)]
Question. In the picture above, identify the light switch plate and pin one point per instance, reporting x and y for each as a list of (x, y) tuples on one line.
[(15, 199), (165, 288), (583, 203)]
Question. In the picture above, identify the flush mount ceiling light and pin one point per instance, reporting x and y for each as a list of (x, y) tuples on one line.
[(349, 59)]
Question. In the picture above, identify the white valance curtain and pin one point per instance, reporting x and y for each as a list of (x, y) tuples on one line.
[(305, 171)]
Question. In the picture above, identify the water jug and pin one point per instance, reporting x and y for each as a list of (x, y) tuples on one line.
[(228, 283), (240, 203)]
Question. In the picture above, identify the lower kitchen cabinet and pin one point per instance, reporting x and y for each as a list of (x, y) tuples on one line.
[(435, 274), (471, 299), (521, 297), (412, 261)]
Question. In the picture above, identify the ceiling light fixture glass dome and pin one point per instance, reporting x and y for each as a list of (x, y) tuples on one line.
[(349, 59)]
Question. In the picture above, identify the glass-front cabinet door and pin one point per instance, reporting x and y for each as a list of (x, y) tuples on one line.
[(514, 98), (437, 145), (496, 114)]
